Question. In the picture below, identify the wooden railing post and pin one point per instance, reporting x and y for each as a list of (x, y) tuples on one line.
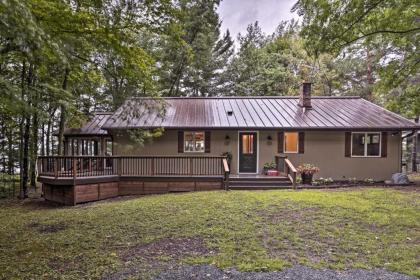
[(74, 168), (191, 166), (226, 173), (153, 166), (119, 166), (55, 166)]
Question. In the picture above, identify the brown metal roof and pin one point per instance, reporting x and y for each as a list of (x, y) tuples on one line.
[(335, 113), (91, 128)]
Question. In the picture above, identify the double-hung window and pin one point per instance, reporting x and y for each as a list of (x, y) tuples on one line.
[(366, 144), (194, 141)]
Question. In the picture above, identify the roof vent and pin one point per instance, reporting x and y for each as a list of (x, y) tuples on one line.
[(230, 113)]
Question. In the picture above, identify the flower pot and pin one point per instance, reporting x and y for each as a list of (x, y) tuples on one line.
[(272, 172), (307, 178)]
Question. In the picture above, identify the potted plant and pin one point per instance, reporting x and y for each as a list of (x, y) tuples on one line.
[(307, 172), (270, 169)]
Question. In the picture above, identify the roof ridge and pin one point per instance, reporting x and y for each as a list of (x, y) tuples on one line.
[(246, 97)]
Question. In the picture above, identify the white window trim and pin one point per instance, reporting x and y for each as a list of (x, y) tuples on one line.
[(284, 143), (258, 150), (194, 132), (365, 147)]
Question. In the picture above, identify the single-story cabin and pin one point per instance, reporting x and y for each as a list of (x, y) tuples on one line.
[(217, 142)]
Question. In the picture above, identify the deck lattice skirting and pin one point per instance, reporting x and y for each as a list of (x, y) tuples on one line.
[(75, 179)]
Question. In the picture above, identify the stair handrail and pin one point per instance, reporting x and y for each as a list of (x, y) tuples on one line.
[(291, 171)]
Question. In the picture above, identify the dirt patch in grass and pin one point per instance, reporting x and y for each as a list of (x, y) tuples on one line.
[(291, 234), (173, 248), (48, 228), (276, 215), (415, 189), (40, 204)]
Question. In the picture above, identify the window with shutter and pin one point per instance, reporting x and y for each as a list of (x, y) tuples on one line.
[(384, 144), (280, 142), (301, 146), (347, 144), (180, 141), (207, 141), (194, 141), (366, 144), (291, 142)]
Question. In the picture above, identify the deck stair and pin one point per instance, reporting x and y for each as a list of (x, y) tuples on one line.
[(258, 182)]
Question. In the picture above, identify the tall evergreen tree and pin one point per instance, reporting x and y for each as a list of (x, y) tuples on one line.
[(192, 64)]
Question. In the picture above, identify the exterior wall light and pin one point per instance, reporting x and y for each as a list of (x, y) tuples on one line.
[(269, 140), (227, 139)]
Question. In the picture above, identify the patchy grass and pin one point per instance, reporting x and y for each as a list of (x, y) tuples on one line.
[(8, 187), (250, 230)]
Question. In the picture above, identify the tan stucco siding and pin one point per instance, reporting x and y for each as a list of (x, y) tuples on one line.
[(324, 149)]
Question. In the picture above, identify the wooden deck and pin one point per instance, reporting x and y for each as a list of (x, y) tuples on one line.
[(75, 179), (70, 179)]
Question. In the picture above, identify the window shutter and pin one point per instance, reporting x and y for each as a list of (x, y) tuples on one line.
[(301, 142), (347, 145), (280, 142), (207, 139), (180, 141), (384, 147)]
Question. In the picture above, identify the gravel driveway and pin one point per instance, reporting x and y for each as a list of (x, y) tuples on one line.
[(296, 273)]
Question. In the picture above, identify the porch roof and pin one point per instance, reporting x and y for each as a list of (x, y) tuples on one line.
[(91, 128), (327, 113)]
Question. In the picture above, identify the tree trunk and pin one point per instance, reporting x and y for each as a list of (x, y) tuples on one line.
[(10, 151), (48, 137), (26, 139), (369, 75), (414, 150), (48, 148), (62, 117), (3, 144), (35, 136), (25, 167), (21, 128), (43, 139)]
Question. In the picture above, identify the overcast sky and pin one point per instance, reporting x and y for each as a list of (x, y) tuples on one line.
[(237, 14)]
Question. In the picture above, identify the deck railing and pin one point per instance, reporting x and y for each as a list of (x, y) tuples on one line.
[(91, 166)]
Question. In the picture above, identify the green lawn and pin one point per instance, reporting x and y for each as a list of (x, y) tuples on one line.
[(250, 230)]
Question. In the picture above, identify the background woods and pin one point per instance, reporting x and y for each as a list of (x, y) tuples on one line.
[(61, 60)]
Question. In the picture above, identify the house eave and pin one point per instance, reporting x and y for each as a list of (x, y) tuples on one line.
[(384, 128)]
